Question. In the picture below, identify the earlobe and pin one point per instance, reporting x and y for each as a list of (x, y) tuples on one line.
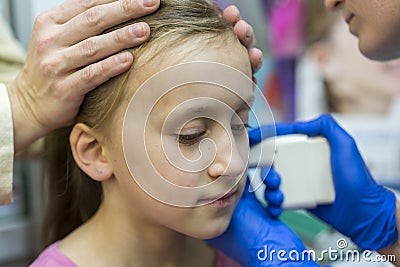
[(89, 153)]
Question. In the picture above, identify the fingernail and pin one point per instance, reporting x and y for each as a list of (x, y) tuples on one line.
[(122, 58), (149, 3), (138, 30)]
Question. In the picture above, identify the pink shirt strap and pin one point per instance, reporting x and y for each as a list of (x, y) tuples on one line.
[(52, 257)]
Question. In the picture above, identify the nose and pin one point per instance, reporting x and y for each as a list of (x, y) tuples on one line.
[(228, 160), (334, 4)]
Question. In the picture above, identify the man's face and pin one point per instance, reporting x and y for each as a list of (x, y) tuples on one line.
[(375, 23)]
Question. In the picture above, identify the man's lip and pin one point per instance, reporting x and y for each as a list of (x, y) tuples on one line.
[(348, 17)]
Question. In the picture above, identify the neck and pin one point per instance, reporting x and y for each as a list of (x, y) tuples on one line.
[(106, 241)]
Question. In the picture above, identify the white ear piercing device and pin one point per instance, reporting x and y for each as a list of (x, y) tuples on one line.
[(304, 166)]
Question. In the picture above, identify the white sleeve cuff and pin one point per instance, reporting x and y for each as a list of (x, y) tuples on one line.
[(6, 147)]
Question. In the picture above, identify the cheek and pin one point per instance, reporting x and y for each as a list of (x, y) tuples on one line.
[(169, 216), (379, 33), (243, 146), (169, 166)]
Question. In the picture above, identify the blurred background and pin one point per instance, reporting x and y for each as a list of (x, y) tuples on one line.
[(311, 65)]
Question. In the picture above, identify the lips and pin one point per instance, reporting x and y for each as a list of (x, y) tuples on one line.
[(348, 17), (224, 197), (228, 195)]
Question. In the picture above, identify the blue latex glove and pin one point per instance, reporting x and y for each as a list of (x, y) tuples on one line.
[(271, 180), (252, 235), (272, 194), (362, 210)]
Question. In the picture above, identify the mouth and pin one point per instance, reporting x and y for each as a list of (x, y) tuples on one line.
[(348, 17), (229, 194), (222, 202)]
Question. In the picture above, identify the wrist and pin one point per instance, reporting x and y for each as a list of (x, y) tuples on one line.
[(395, 248), (26, 128)]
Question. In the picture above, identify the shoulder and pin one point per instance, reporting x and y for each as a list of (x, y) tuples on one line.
[(52, 257)]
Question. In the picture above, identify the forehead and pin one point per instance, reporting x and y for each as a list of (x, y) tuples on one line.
[(205, 98), (225, 49), (146, 91)]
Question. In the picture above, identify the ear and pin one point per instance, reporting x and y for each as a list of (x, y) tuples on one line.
[(89, 153)]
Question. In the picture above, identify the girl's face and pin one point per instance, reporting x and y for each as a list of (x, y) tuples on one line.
[(197, 114), (375, 23)]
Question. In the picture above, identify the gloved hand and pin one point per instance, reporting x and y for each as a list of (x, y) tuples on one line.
[(362, 210), (253, 238), (272, 193), (270, 179)]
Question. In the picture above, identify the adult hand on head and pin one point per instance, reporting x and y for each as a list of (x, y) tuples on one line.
[(254, 238), (68, 57), (362, 210)]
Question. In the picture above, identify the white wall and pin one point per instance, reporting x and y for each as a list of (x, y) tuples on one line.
[(23, 15), (39, 6), (5, 10)]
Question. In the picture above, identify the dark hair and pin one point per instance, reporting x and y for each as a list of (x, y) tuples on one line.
[(71, 196), (318, 23)]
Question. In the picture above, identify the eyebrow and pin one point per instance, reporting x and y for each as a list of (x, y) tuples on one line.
[(196, 109), (248, 102)]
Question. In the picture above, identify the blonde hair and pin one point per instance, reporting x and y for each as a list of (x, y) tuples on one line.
[(72, 196)]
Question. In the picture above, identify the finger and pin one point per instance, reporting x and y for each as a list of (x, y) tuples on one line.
[(102, 46), (274, 212), (284, 128), (311, 128), (256, 135), (245, 33), (100, 18), (93, 75), (256, 59), (271, 178), (71, 8), (325, 126), (231, 14), (322, 125), (274, 197)]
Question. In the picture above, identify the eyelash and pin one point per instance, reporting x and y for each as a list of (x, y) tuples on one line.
[(191, 139)]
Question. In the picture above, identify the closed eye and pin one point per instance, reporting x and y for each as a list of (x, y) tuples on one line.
[(190, 139)]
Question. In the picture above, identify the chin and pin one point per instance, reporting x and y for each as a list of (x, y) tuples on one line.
[(378, 52), (211, 230)]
